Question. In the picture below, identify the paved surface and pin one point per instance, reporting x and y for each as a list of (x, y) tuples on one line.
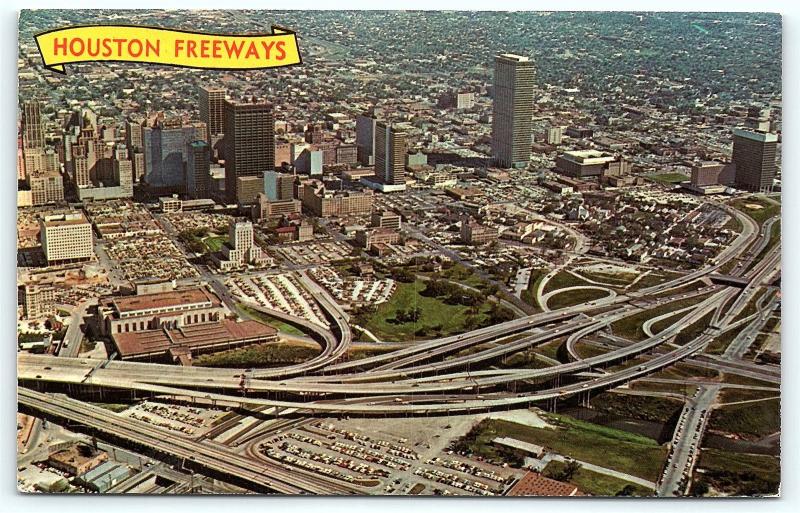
[(685, 446)]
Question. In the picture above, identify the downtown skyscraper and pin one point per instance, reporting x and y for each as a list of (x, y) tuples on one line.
[(390, 156), (512, 110), (212, 110), (754, 153), (249, 142), (33, 127)]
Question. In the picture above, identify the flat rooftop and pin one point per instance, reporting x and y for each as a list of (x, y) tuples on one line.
[(535, 484), (65, 219), (165, 299), (513, 57), (755, 135), (188, 338), (588, 156)]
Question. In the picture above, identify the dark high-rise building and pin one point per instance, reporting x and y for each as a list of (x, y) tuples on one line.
[(165, 153), (512, 110), (754, 155), (249, 142), (212, 110), (365, 139), (390, 155), (198, 170), (33, 127)]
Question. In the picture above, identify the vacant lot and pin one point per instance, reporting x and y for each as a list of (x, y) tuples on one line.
[(626, 452), (668, 178), (748, 420), (737, 473)]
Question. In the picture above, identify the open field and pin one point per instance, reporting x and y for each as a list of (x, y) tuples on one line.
[(749, 420), (736, 473), (631, 326), (657, 409), (574, 297), (626, 452), (563, 280), (757, 208), (668, 178)]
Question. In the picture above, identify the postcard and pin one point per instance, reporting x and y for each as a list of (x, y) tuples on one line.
[(451, 253)]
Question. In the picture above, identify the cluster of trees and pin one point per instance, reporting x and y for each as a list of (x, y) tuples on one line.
[(567, 472), (412, 314), (735, 483), (453, 294), (403, 275), (193, 239)]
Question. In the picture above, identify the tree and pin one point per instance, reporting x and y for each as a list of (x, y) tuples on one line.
[(699, 489), (627, 491), (569, 470)]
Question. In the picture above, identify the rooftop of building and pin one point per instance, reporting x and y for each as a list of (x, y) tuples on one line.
[(165, 299), (588, 156), (535, 484), (185, 339), (74, 218), (755, 135), (514, 57)]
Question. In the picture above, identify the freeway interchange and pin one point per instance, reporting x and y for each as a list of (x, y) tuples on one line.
[(431, 377)]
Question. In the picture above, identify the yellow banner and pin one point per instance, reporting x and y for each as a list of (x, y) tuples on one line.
[(126, 43)]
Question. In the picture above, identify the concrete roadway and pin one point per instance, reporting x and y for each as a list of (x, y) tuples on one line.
[(209, 455), (685, 447), (72, 339), (456, 403)]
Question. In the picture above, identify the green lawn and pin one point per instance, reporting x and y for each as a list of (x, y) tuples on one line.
[(588, 351), (214, 242), (631, 326), (619, 280), (529, 294), (437, 318), (763, 209), (752, 420), (653, 278), (356, 353), (774, 238), (563, 280), (272, 321), (595, 483), (574, 297), (611, 448), (668, 178)]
